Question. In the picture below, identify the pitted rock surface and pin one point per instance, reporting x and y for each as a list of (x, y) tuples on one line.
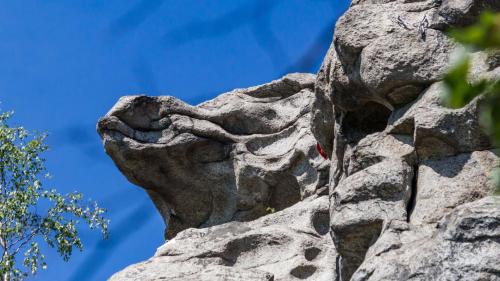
[(292, 244), (232, 158), (401, 161), (408, 180), (465, 246)]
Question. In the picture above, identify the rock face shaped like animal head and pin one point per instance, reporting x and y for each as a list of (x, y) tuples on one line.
[(236, 157)]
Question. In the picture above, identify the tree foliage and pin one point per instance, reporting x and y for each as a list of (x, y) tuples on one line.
[(30, 214), (482, 36)]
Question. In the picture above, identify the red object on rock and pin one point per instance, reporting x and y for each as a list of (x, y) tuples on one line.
[(321, 151)]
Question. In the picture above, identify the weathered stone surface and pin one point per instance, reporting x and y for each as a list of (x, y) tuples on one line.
[(227, 159), (322, 108), (388, 51), (446, 183), (399, 158), (463, 12), (378, 147), (439, 131), (291, 244), (363, 203), (401, 59), (382, 53), (466, 246), (160, 269), (409, 190)]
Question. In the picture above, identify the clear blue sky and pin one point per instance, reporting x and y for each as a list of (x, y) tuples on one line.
[(65, 63)]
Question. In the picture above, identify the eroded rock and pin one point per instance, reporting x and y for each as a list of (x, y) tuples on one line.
[(439, 131), (399, 157), (409, 190), (443, 184), (292, 244), (362, 204), (231, 158), (466, 246)]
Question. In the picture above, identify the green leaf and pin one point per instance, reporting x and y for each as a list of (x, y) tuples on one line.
[(459, 91), (483, 35)]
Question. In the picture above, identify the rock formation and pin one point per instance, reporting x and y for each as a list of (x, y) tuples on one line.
[(291, 244), (405, 194), (234, 158)]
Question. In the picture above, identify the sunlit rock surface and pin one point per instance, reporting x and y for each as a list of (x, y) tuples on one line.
[(404, 195), (233, 158), (292, 244), (401, 161)]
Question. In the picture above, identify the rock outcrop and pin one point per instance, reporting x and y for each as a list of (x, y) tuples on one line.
[(404, 195), (464, 246), (400, 160), (233, 158), (286, 245)]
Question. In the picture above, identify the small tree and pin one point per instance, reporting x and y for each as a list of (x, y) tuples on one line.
[(484, 36), (30, 214)]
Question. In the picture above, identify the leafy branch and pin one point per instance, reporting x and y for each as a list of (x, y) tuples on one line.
[(30, 214), (482, 36)]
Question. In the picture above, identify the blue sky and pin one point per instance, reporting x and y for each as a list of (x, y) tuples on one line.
[(65, 63)]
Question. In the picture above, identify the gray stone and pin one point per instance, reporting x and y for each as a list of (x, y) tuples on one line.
[(400, 160), (362, 204), (466, 246), (439, 131), (322, 112), (388, 51), (445, 183), (408, 181), (402, 59), (382, 48), (287, 245), (227, 159), (464, 12), (378, 147), (162, 269)]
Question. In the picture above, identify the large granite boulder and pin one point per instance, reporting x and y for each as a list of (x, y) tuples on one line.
[(232, 158), (387, 52), (401, 161), (240, 183)]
